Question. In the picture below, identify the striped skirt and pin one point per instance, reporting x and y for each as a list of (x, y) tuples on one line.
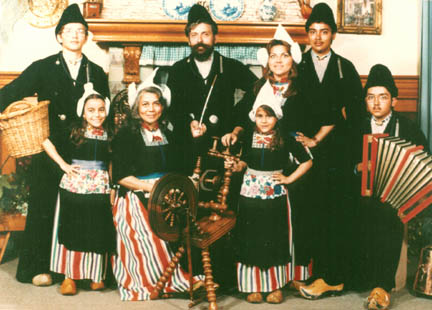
[(141, 256), (73, 264), (252, 279)]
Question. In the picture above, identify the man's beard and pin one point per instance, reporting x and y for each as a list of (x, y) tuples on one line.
[(204, 55)]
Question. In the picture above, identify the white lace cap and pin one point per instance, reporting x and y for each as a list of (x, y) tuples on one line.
[(89, 90), (281, 34), (133, 90), (266, 97)]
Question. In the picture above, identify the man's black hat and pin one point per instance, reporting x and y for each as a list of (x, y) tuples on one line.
[(199, 14), (322, 13), (380, 75), (71, 14)]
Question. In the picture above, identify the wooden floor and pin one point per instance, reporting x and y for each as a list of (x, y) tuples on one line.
[(15, 295)]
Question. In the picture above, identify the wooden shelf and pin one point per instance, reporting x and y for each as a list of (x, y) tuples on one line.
[(134, 31)]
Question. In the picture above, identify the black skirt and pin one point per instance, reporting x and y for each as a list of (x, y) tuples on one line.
[(86, 222), (262, 232)]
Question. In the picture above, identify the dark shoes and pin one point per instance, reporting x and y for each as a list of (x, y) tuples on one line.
[(319, 288), (378, 299)]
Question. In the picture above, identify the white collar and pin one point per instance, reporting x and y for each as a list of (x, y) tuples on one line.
[(379, 127), (70, 61), (382, 122), (315, 56)]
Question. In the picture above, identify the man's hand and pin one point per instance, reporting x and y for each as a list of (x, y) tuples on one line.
[(197, 130), (306, 141)]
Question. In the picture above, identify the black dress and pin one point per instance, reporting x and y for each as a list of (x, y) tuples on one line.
[(84, 232), (264, 240)]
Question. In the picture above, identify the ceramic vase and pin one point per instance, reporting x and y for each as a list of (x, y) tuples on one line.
[(267, 11)]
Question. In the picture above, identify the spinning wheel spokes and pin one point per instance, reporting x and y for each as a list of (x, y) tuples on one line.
[(171, 196), (172, 205)]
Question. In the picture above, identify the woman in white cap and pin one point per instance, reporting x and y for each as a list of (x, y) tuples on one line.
[(142, 153), (278, 85), (84, 234), (264, 233)]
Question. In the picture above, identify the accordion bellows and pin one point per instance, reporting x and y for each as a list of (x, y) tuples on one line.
[(397, 172)]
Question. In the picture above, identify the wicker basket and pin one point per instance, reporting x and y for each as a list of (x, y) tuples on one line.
[(25, 126)]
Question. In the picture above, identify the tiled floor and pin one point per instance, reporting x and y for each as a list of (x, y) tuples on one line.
[(15, 295)]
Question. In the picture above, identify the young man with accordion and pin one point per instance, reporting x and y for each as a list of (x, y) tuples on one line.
[(378, 227)]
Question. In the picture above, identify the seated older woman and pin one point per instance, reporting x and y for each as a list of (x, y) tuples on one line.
[(142, 153)]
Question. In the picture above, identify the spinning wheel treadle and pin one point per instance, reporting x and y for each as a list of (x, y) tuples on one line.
[(169, 200)]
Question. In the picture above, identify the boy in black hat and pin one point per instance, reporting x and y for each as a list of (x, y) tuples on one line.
[(379, 231), (59, 78), (332, 91), (381, 97)]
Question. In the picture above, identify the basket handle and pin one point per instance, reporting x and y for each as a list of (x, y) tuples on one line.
[(18, 106)]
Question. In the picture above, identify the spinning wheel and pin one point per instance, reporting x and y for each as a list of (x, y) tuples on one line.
[(173, 197), (172, 210)]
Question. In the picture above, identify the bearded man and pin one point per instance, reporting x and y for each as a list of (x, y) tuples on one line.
[(191, 78)]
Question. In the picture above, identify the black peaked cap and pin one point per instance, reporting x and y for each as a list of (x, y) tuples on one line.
[(322, 13), (71, 14), (199, 14), (380, 75)]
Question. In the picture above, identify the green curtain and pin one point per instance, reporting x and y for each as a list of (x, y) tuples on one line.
[(425, 110)]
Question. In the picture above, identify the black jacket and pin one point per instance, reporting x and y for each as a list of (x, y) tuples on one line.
[(50, 79), (189, 91)]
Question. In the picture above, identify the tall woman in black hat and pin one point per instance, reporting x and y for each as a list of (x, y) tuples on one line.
[(59, 78)]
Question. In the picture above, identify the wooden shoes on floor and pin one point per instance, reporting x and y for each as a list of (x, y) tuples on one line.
[(68, 287), (275, 297), (319, 288), (43, 279), (378, 299)]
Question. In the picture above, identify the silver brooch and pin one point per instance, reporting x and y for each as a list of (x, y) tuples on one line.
[(213, 119)]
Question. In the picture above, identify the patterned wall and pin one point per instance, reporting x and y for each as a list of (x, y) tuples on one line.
[(288, 11)]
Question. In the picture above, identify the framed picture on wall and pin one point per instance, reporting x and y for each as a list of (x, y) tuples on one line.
[(360, 16)]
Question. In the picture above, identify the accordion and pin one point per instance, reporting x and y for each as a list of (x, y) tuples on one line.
[(398, 173)]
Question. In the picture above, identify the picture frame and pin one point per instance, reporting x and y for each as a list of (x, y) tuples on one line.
[(360, 16)]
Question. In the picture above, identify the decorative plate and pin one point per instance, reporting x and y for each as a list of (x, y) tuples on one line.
[(177, 9), (226, 10), (45, 13)]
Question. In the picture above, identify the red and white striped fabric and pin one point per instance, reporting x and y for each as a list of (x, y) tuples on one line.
[(141, 256), (73, 264), (254, 279)]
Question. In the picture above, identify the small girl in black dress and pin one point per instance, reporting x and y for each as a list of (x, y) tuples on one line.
[(84, 232), (264, 230)]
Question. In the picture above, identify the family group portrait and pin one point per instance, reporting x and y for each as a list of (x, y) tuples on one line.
[(203, 154)]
